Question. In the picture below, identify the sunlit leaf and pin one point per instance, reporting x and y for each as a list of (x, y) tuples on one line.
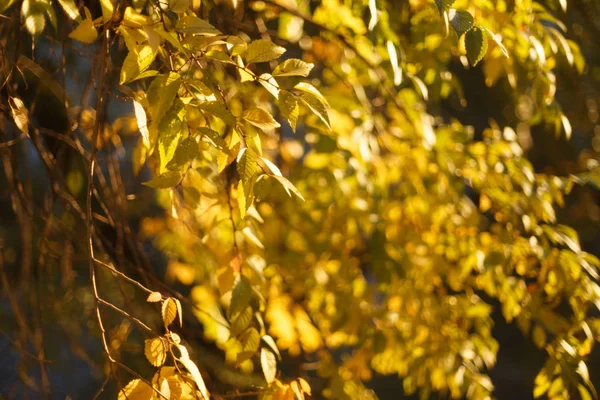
[(269, 364), (19, 113), (260, 118), (156, 351), (461, 21), (293, 67), (262, 50), (136, 389)]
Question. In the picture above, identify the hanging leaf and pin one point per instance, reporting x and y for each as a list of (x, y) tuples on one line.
[(142, 122), (218, 110), (161, 94), (136, 389), (304, 386), (262, 50), (271, 343), (498, 40), (269, 364), (241, 199), (240, 296), (196, 26), (85, 32), (169, 311), (270, 84), (33, 13), (154, 297), (19, 113), (394, 61), (215, 139), (251, 237), (374, 16), (70, 9), (461, 21), (194, 371), (288, 186), (136, 62), (260, 118), (165, 181), (288, 105), (316, 105), (246, 163), (107, 10), (443, 5), (476, 45), (298, 393), (293, 67), (156, 350)]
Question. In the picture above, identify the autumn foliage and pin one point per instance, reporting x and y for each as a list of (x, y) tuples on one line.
[(281, 199)]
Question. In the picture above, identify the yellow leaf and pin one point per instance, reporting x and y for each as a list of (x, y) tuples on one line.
[(305, 386), (309, 336), (70, 9), (269, 364), (270, 84), (262, 50), (134, 19), (194, 371), (142, 122), (85, 32), (241, 199), (169, 311), (107, 9), (179, 311), (154, 297), (19, 113), (136, 389), (260, 118), (156, 351)]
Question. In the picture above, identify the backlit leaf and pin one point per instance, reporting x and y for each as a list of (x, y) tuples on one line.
[(156, 350), (70, 9), (85, 32), (293, 67), (443, 5), (240, 296), (288, 105), (154, 297), (269, 364), (196, 26), (136, 62), (169, 311), (246, 163), (262, 50), (136, 389), (476, 45), (270, 84), (165, 181), (461, 21), (19, 113), (260, 118)]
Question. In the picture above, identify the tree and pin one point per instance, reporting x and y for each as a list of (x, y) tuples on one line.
[(281, 199)]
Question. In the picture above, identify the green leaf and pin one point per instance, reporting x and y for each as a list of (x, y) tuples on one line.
[(293, 67), (288, 105), (268, 364), (165, 181), (196, 26), (476, 44), (262, 50), (260, 118), (161, 94), (461, 21), (136, 62), (246, 163), (443, 5)]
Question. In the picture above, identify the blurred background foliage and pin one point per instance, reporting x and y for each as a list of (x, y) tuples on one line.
[(353, 199)]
